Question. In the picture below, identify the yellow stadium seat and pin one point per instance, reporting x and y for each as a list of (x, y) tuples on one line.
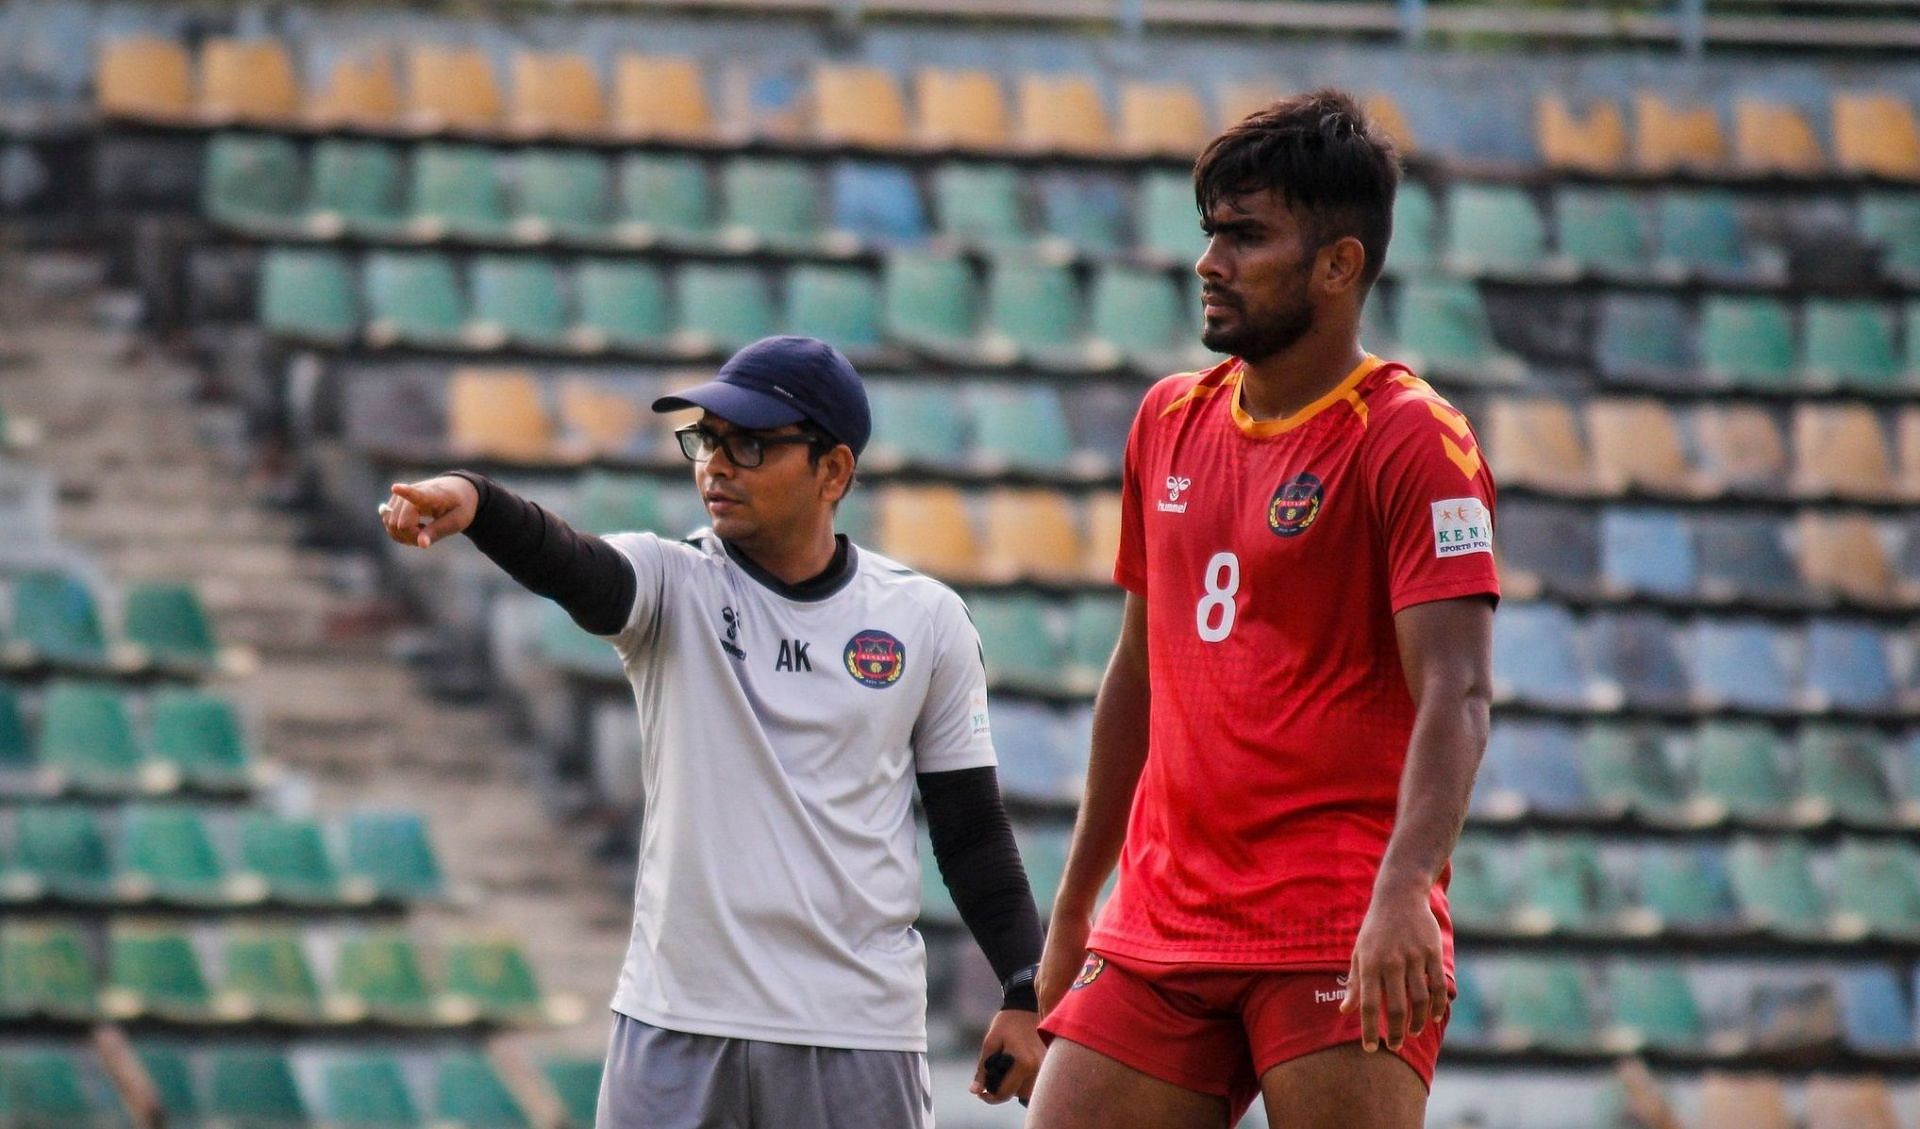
[(1849, 1103), (362, 90), (498, 413), (1596, 142), (1740, 447), (960, 110), (1240, 100), (858, 106), (1391, 120), (451, 88), (1839, 449), (556, 95), (144, 79), (596, 420), (1730, 1101), (1537, 443), (1841, 555), (1875, 134), (1162, 119), (1032, 535), (928, 528), (1103, 535), (1637, 444), (1907, 440), (247, 80), (1775, 139), (1062, 114), (1668, 139), (659, 96)]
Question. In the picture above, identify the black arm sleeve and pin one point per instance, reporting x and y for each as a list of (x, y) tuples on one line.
[(578, 571), (973, 843)]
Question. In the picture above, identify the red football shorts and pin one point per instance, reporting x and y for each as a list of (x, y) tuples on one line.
[(1215, 1028)]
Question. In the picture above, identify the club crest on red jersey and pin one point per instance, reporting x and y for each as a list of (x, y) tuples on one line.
[(1090, 971), (1295, 505), (875, 659)]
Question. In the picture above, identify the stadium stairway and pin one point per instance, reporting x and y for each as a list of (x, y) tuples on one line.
[(149, 489)]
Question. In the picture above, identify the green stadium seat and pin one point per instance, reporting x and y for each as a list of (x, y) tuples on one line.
[(1093, 630), (1645, 339), (936, 901), (1602, 231), (1019, 643), (170, 623), (1737, 766), (1467, 1018), (1082, 214), (564, 195), (1850, 345), (518, 299), (1562, 888), (199, 734), (1774, 885), (1686, 889), (837, 304), (16, 750), (722, 308), (154, 972), (1891, 220), (1843, 776), (57, 621), (42, 1089), (1168, 223), (1443, 323), (1543, 1005), (615, 503), (664, 199), (358, 187), (170, 851), (471, 1095), (915, 423), (1653, 1006), (45, 971), (254, 1089), (979, 206), (173, 1083), (268, 975), (932, 304), (1627, 770), (1873, 884), (576, 1082), (1495, 230), (1034, 314), (253, 182), (378, 976), (391, 849), (413, 298), (1043, 850), (567, 648), (308, 295), (291, 855), (1023, 427), (457, 192), (1700, 237), (368, 1091), (1747, 341), (495, 976), (1415, 249), (622, 305), (1136, 317), (771, 203), (1478, 896), (62, 847), (87, 742)]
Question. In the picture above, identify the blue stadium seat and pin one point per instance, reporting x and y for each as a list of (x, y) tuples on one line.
[(877, 205), (1740, 663), (1701, 237), (1530, 768), (1741, 557), (1635, 652), (1084, 213), (1647, 552), (1035, 765), (1645, 339), (1873, 1011), (1535, 657), (1547, 546), (1847, 667)]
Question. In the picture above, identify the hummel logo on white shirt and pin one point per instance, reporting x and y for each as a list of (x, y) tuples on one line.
[(1176, 486)]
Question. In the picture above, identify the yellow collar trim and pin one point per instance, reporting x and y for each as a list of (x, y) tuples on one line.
[(1263, 429)]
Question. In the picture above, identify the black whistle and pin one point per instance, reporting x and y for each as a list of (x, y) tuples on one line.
[(997, 1065)]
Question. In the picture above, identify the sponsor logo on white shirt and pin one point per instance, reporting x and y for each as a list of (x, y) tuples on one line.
[(1176, 486), (1461, 526)]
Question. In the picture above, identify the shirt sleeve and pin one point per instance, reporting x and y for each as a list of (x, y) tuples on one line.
[(952, 731), (1130, 566), (1434, 497), (648, 556)]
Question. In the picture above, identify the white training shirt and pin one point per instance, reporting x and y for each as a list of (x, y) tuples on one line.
[(779, 879)]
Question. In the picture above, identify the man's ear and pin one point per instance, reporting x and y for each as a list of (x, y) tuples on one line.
[(836, 473), (1339, 266)]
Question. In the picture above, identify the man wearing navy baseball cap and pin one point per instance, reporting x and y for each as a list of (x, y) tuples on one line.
[(793, 689)]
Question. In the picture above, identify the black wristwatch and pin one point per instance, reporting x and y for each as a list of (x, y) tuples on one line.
[(1017, 992)]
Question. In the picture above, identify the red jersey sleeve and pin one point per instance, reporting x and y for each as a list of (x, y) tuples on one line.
[(1434, 497), (1130, 566)]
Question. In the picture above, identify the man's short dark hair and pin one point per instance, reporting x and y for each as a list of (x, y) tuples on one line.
[(1325, 158)]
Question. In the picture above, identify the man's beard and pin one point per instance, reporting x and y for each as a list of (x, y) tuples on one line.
[(1256, 342)]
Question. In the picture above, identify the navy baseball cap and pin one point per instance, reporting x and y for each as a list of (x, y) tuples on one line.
[(781, 380)]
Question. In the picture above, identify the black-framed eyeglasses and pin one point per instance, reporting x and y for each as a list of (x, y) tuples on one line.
[(744, 448)]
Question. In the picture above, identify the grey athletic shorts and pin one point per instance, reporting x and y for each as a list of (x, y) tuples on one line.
[(659, 1079)]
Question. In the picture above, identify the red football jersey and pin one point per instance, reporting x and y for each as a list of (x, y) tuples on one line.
[(1272, 556)]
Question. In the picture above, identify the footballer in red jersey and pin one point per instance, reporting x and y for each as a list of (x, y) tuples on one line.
[(1287, 734)]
